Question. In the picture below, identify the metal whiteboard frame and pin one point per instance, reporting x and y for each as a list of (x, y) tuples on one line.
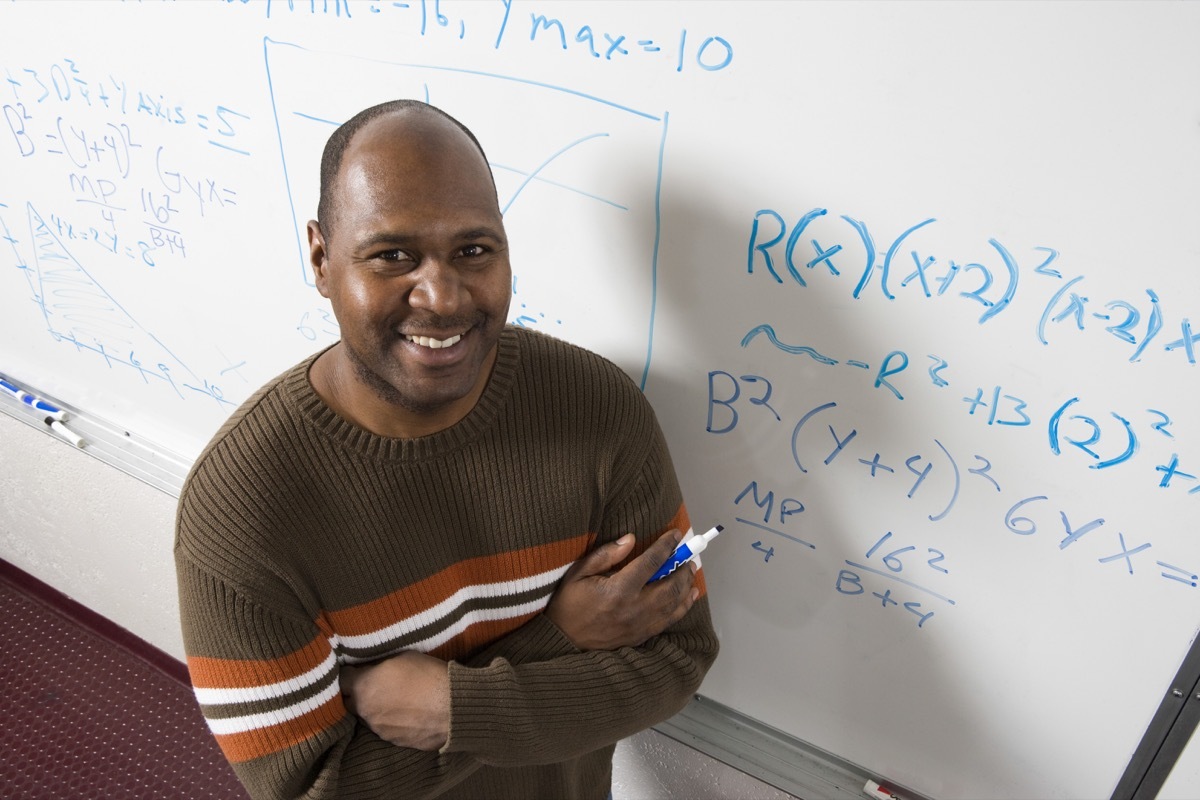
[(105, 441), (1168, 734), (770, 755)]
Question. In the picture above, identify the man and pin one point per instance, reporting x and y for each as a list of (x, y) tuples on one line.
[(403, 564)]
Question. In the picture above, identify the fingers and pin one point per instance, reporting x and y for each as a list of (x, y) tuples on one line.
[(347, 679), (603, 558), (640, 570), (403, 699), (664, 602), (674, 595), (598, 609)]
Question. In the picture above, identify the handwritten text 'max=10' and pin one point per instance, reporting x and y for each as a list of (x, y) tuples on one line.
[(796, 250), (713, 54), (706, 53), (496, 24)]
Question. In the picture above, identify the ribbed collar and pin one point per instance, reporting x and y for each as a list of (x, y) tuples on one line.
[(301, 396)]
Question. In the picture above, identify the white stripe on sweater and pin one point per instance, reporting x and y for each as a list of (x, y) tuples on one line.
[(448, 606), (228, 696), (250, 722), (249, 694), (468, 619)]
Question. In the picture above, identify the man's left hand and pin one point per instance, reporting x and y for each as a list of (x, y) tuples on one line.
[(599, 609), (404, 699)]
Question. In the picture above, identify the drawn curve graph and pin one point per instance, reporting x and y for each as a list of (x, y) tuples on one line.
[(579, 188)]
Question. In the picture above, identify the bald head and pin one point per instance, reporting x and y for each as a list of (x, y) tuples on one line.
[(427, 126)]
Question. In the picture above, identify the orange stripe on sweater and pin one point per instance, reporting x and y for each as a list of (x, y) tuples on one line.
[(239, 747), (220, 673), (680, 522), (377, 614)]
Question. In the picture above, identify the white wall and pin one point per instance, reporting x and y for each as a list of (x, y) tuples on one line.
[(104, 539), (89, 531)]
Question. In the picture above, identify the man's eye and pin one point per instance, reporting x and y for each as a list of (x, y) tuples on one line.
[(392, 262), (473, 250)]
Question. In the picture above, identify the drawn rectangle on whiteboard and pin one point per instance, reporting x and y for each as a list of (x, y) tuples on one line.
[(579, 192)]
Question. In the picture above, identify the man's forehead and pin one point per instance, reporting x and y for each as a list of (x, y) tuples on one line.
[(414, 131), (427, 161), (412, 148)]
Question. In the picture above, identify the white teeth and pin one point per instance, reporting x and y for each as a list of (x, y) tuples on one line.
[(433, 344)]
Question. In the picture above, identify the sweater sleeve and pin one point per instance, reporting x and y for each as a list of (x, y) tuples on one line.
[(509, 714), (540, 700), (266, 679)]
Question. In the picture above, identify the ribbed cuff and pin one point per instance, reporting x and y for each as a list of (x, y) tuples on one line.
[(480, 695)]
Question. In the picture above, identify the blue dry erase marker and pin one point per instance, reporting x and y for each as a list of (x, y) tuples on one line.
[(685, 552), (33, 401)]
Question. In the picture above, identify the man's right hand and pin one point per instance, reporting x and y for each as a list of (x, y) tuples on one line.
[(599, 609)]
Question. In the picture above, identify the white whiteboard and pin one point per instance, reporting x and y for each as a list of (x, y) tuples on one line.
[(858, 255)]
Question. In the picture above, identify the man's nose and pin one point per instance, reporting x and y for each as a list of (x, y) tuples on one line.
[(438, 289)]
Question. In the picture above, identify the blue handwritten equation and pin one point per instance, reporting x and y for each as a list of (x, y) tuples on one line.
[(890, 567), (127, 189), (132, 197), (499, 27), (821, 438), (906, 267), (1098, 441), (1102, 438), (888, 570), (896, 568), (712, 54)]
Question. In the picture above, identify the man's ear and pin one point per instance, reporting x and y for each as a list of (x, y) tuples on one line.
[(317, 256)]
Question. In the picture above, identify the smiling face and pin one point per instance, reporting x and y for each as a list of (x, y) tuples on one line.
[(415, 265)]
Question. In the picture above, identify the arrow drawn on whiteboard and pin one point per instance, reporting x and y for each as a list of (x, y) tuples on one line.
[(796, 350)]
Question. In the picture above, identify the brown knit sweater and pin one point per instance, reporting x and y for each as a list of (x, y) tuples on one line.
[(305, 543)]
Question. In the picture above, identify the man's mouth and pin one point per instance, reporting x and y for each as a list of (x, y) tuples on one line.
[(430, 342)]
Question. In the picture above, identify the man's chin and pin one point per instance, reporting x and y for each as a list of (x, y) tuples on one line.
[(421, 388), (427, 397)]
